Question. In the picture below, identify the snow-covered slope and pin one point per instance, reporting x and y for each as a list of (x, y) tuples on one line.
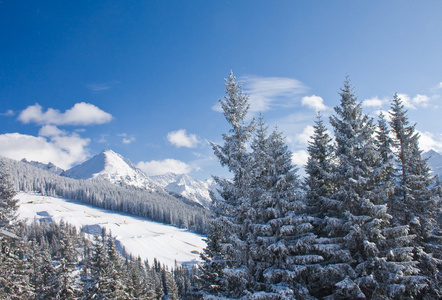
[(138, 236), (187, 187), (435, 161), (50, 167), (114, 168)]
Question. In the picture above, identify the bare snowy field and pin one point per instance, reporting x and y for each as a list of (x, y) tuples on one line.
[(139, 236)]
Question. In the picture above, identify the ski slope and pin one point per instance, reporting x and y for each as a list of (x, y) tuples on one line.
[(138, 236)]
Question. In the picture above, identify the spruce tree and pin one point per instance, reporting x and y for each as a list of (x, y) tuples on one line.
[(416, 202), (230, 216), (362, 250), (319, 167), (280, 232)]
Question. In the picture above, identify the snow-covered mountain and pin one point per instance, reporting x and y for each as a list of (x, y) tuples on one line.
[(50, 167), (435, 162), (113, 168), (187, 187)]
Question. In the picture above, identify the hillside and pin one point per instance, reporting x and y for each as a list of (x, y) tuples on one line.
[(136, 235), (157, 205)]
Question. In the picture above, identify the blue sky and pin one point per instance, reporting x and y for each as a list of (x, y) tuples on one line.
[(143, 78)]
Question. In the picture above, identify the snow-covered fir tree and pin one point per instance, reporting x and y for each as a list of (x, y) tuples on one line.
[(232, 204), (319, 167), (384, 146), (15, 270), (416, 202), (281, 236), (356, 234)]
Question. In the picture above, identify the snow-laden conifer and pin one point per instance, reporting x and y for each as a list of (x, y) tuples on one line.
[(231, 205), (416, 202), (364, 255), (280, 233)]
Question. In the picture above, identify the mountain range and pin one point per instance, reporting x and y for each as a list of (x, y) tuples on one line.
[(114, 168)]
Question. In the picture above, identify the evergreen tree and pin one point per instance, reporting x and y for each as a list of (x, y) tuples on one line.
[(281, 237), (232, 204), (115, 284), (384, 145), (15, 269), (362, 250), (319, 167), (416, 202), (8, 204)]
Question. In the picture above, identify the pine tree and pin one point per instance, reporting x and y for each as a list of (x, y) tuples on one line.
[(362, 250), (67, 265), (115, 284), (416, 202), (15, 269), (384, 145), (319, 167), (232, 205), (8, 204), (280, 239)]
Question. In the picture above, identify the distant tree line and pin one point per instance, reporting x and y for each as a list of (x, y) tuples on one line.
[(156, 205), (362, 225)]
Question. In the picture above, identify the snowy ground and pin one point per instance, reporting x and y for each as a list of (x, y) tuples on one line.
[(139, 236)]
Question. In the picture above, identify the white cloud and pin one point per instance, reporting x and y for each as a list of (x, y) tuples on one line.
[(61, 149), (50, 131), (160, 167), (80, 114), (8, 113), (421, 100), (428, 141), (126, 139), (413, 103), (304, 137), (314, 102), (373, 102), (266, 92), (300, 158), (180, 138), (439, 86), (406, 100), (98, 87)]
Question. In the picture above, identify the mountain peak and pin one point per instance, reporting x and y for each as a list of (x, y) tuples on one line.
[(112, 167), (185, 186)]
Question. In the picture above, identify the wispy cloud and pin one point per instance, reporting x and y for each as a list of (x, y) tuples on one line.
[(267, 92), (80, 114), (180, 138), (8, 113), (126, 139), (98, 87), (160, 167)]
